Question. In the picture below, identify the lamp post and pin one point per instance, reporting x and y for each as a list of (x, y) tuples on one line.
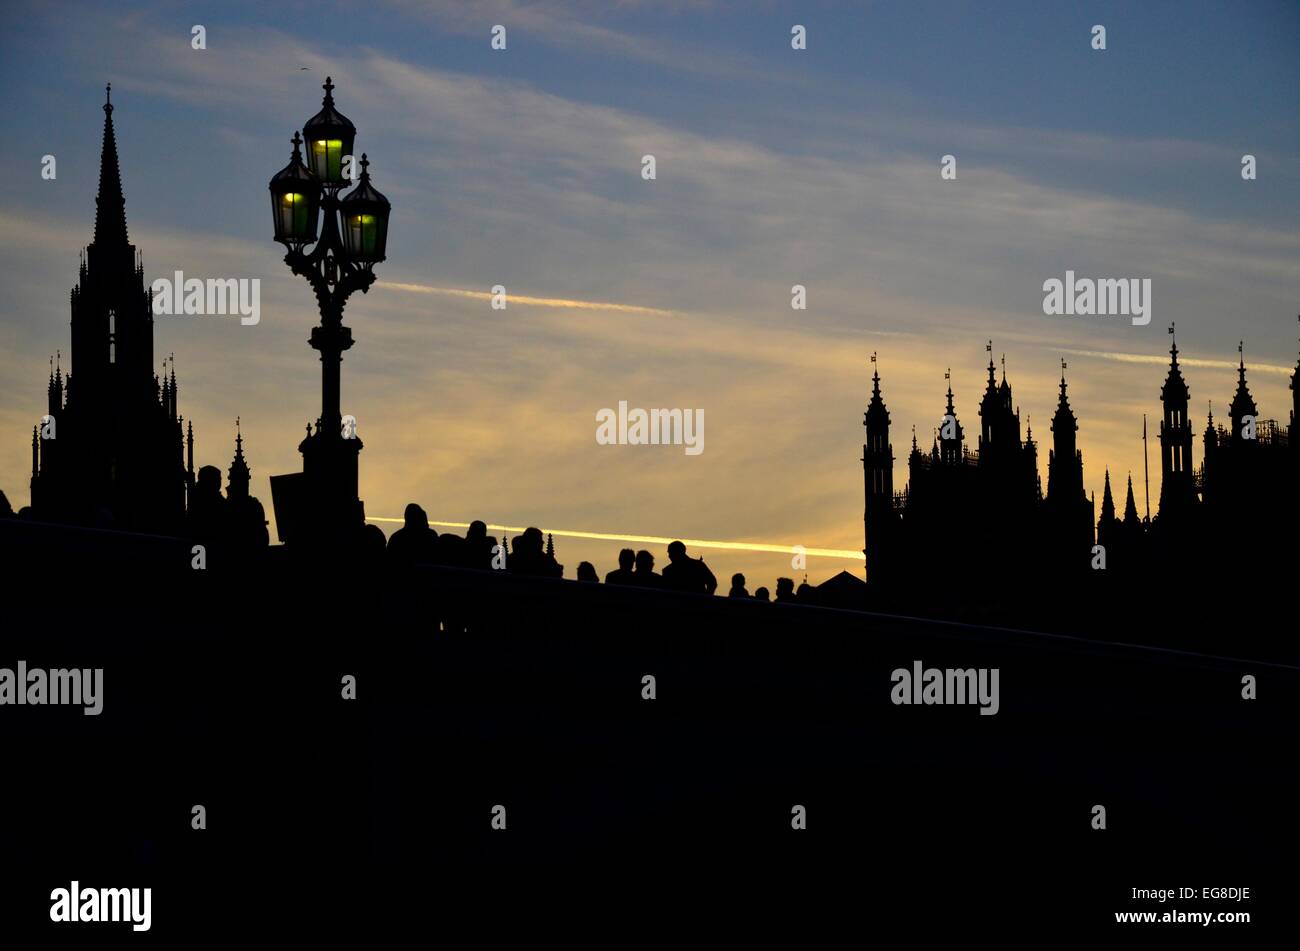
[(324, 502)]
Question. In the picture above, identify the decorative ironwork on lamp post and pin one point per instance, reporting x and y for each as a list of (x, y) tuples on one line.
[(353, 235)]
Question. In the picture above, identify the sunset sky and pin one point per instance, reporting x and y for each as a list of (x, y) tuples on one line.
[(774, 167)]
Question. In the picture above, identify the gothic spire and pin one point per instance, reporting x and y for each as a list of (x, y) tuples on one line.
[(237, 483), (1108, 502), (1175, 389), (110, 207), (877, 417), (1130, 505), (1242, 403), (1064, 418)]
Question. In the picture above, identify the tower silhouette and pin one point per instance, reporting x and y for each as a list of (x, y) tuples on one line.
[(878, 478), (1177, 485), (114, 454), (1068, 511), (950, 433)]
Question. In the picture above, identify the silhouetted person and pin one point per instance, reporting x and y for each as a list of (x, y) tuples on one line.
[(737, 587), (452, 550), (415, 542), (762, 594), (645, 575), (373, 544), (245, 522), (785, 591), (806, 594), (206, 517), (684, 573), (587, 572), (528, 557), (478, 545), (623, 573)]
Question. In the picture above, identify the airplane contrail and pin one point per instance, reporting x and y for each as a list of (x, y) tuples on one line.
[(1163, 360), (656, 540), (524, 299)]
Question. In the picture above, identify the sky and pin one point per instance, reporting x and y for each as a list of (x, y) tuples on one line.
[(774, 167)]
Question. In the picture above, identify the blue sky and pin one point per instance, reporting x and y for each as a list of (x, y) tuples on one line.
[(775, 167)]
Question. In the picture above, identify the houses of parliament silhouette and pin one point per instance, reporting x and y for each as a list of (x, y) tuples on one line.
[(981, 517), (115, 452)]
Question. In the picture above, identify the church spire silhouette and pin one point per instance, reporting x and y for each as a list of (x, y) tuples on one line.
[(1243, 404), (110, 206), (950, 445), (1177, 488), (1107, 501), (239, 475)]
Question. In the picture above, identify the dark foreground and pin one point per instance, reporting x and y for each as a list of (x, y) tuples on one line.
[(333, 814)]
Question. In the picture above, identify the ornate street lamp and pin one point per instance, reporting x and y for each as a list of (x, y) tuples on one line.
[(322, 503), (365, 220), (329, 136), (295, 201)]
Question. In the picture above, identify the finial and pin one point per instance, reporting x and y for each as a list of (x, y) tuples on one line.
[(108, 97), (329, 91), (365, 163), (1241, 355), (297, 145)]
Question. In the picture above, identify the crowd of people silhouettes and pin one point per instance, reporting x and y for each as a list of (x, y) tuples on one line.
[(533, 553)]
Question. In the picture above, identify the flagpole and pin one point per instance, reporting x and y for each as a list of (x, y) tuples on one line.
[(1146, 471)]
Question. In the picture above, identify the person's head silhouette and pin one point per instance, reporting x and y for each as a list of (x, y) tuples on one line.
[(415, 517), (784, 588), (645, 562), (737, 580), (530, 540), (477, 531), (587, 571), (626, 558), (762, 594), (373, 540), (676, 551), (209, 481)]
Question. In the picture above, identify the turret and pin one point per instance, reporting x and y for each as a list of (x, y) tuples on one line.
[(878, 480), (239, 476), (1064, 461), (1243, 404), (950, 432), (1177, 489)]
